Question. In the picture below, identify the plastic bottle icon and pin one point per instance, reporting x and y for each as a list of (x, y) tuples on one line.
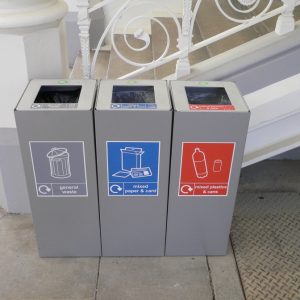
[(200, 165)]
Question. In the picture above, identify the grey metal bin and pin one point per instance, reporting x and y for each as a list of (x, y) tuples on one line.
[(56, 133), (133, 121), (209, 132)]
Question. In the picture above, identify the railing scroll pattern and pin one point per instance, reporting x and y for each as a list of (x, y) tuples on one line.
[(246, 10)]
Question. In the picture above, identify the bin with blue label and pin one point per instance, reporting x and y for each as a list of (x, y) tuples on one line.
[(133, 121), (56, 133)]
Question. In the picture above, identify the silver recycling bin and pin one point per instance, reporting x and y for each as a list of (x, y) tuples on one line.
[(56, 134), (133, 123), (209, 133)]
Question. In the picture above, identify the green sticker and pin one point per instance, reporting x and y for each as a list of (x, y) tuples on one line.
[(203, 82), (64, 81), (131, 81)]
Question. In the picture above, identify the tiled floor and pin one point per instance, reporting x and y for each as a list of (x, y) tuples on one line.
[(23, 275)]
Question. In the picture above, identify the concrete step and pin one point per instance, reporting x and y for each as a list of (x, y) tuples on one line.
[(159, 43), (117, 67), (212, 22), (101, 66), (269, 24)]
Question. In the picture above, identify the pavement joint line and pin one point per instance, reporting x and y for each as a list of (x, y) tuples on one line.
[(97, 280), (210, 280), (237, 269)]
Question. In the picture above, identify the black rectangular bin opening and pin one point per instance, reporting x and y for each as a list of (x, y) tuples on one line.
[(133, 94), (58, 94), (207, 95)]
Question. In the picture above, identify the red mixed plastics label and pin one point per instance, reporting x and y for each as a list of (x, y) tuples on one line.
[(211, 107), (205, 169)]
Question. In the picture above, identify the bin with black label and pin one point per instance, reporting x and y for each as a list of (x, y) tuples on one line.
[(56, 133), (133, 121), (209, 132)]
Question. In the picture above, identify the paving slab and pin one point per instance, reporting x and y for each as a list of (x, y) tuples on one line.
[(225, 277), (25, 276), (149, 278)]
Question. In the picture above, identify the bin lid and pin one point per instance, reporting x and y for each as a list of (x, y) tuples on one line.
[(208, 96), (58, 94), (133, 95), (57, 152)]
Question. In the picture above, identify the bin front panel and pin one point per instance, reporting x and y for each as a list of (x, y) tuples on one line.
[(59, 159), (133, 205)]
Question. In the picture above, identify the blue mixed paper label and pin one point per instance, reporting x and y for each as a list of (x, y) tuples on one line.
[(133, 168)]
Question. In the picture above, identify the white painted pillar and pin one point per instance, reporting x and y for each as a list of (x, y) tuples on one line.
[(286, 21), (84, 23), (183, 66), (32, 45)]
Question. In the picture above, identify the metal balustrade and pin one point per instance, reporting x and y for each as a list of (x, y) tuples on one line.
[(285, 23)]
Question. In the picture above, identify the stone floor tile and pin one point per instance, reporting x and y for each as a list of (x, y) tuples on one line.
[(225, 277), (149, 278), (25, 276)]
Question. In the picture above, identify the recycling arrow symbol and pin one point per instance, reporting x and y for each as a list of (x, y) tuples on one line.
[(186, 189), (44, 189), (115, 189)]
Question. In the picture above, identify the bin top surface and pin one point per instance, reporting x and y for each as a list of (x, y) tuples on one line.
[(58, 95), (150, 95), (208, 96)]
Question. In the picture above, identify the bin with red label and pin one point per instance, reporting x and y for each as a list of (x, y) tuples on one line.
[(209, 133)]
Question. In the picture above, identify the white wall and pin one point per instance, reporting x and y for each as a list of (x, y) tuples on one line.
[(13, 78)]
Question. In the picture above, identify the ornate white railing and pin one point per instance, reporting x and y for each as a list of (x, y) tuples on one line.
[(285, 24)]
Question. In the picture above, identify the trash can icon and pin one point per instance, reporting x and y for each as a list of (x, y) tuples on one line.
[(59, 159)]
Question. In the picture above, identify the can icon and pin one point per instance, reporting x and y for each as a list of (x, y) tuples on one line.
[(200, 165), (217, 165), (59, 159)]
